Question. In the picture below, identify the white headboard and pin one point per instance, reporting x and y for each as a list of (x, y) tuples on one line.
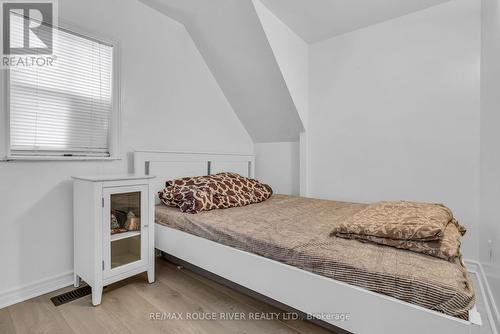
[(172, 165)]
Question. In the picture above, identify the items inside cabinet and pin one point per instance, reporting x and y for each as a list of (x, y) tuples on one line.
[(125, 228), (125, 212)]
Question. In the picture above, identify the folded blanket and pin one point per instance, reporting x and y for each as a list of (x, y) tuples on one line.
[(448, 248), (419, 227), (398, 220), (218, 191)]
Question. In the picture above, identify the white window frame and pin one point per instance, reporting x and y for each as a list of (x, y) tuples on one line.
[(114, 130)]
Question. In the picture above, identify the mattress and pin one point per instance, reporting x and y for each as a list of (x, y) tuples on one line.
[(295, 231)]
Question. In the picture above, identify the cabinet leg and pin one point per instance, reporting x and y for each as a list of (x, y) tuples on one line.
[(151, 275), (76, 281), (96, 295)]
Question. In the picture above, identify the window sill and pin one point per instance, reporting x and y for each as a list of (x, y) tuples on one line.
[(57, 158)]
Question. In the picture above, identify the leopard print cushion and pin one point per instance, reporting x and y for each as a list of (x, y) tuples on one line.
[(218, 191)]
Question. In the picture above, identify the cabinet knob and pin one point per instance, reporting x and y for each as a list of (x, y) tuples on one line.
[(147, 225)]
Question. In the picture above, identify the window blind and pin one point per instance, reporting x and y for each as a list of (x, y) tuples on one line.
[(64, 109)]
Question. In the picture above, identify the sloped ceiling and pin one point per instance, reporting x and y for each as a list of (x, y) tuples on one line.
[(230, 38), (316, 20), (291, 54)]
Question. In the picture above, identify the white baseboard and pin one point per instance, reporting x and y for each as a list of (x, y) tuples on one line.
[(493, 315), (35, 289)]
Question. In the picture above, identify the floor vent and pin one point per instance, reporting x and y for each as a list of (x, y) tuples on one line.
[(71, 295)]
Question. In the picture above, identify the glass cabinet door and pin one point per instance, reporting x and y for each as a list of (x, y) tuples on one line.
[(125, 213)]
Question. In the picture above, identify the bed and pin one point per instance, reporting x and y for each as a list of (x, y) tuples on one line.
[(379, 289)]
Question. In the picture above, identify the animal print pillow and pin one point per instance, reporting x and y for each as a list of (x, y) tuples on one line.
[(218, 191)]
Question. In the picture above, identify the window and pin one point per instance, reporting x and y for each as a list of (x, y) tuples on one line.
[(68, 109)]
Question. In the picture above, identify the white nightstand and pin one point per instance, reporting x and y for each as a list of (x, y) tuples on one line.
[(103, 256)]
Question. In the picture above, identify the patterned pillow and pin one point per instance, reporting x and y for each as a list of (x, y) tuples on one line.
[(218, 191)]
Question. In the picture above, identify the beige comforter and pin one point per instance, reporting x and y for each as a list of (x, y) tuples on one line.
[(295, 231), (398, 220), (420, 227)]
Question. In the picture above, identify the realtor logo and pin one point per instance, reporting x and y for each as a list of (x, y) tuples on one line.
[(27, 32)]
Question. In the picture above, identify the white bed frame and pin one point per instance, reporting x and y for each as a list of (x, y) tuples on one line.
[(307, 292)]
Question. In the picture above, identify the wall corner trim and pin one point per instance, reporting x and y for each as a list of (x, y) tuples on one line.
[(475, 267), (35, 289)]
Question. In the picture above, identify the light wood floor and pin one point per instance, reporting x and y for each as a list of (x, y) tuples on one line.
[(127, 305)]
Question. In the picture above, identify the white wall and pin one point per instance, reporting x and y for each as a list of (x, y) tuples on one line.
[(170, 101), (490, 143), (292, 55), (394, 112), (277, 164)]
